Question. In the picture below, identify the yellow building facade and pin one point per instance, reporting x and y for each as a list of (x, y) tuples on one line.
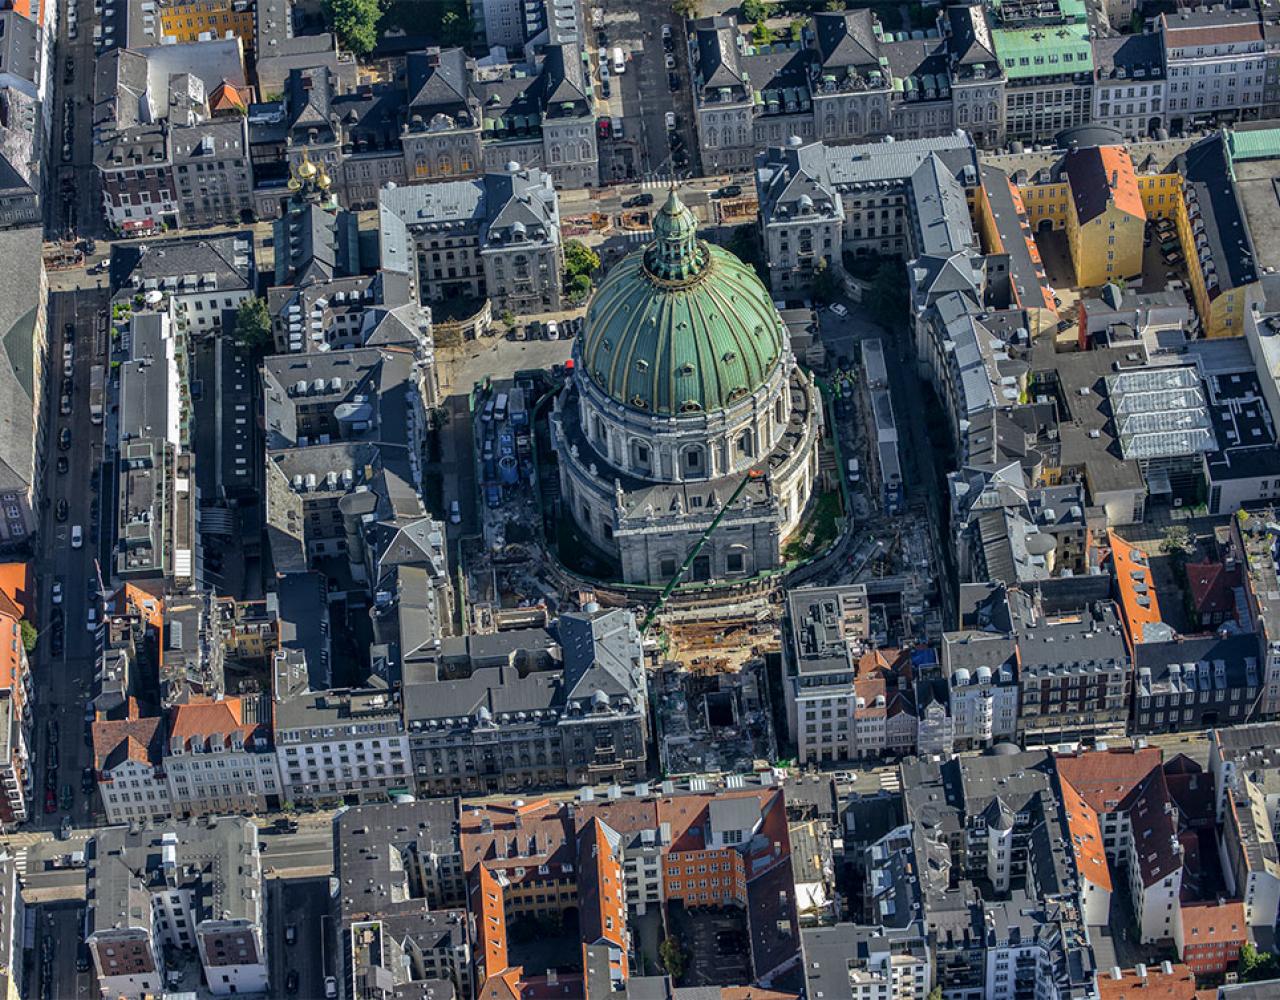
[(187, 22)]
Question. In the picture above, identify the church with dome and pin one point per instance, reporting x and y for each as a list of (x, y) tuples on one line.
[(683, 386)]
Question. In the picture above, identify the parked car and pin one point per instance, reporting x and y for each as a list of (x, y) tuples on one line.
[(61, 509), (63, 465), (77, 536), (91, 619), (455, 512), (730, 191), (671, 121), (840, 309), (56, 593), (87, 781), (291, 981), (673, 82), (291, 934), (66, 797), (64, 439), (50, 801), (330, 987)]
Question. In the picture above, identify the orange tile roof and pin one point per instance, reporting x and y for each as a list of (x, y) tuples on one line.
[(1099, 169), (1212, 922), (1107, 779), (1086, 838), (226, 97), (1179, 984), (132, 597), (205, 717), (12, 658), (1212, 587), (1134, 581), (490, 921), (118, 740), (18, 584)]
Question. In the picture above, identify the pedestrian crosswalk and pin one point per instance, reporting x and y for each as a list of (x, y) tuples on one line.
[(639, 235), (20, 861), (890, 781), (656, 184)]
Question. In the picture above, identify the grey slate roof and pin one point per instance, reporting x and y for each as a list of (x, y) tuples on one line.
[(847, 38), (217, 864), (20, 249)]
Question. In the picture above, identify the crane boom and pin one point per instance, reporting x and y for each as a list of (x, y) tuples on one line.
[(660, 603)]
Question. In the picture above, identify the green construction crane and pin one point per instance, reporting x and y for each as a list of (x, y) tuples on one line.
[(660, 603)]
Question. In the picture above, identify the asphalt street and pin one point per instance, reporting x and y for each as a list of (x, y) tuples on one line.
[(642, 96), (73, 202), (63, 681)]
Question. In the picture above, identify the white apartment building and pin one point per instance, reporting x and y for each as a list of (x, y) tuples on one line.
[(149, 892), (221, 759), (1216, 61), (341, 745), (128, 759), (984, 705), (827, 629), (201, 278), (867, 962)]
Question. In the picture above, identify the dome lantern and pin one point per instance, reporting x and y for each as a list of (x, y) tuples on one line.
[(675, 254), (682, 328)]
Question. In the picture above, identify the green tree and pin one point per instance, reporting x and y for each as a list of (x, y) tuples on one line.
[(760, 33), (889, 295), (935, 993), (579, 287), (356, 23), (754, 11), (797, 30), (1177, 541), (1256, 965), (580, 259), (826, 282), (253, 324), (835, 5), (454, 30), (29, 635), (687, 9), (671, 956)]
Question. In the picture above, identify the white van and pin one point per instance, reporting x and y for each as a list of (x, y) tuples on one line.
[(77, 536), (619, 64)]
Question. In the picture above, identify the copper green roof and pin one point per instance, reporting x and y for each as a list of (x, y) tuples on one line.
[(682, 327)]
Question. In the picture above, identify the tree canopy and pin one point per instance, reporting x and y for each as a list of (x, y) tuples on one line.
[(686, 8), (579, 259), (253, 324), (356, 23)]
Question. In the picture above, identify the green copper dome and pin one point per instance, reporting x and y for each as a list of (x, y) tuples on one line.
[(681, 327)]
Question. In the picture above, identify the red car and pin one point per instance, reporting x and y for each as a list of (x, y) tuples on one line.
[(50, 801)]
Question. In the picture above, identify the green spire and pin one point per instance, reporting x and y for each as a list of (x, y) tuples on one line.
[(675, 254)]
